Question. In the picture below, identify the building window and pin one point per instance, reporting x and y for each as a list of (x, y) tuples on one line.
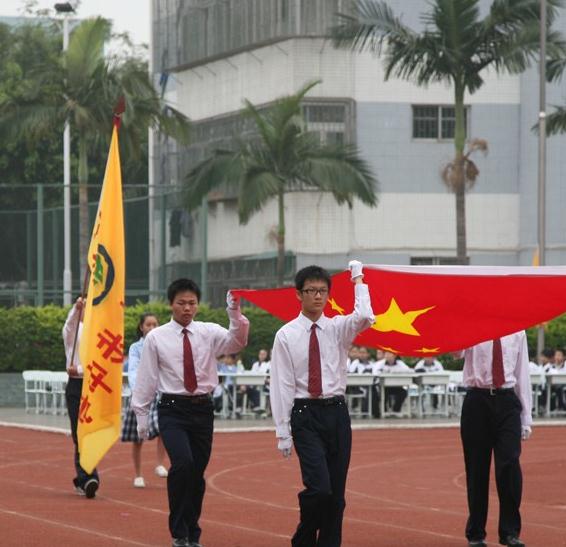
[(436, 122), (329, 121), (434, 261)]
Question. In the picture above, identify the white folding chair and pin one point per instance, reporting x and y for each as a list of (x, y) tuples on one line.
[(58, 383)]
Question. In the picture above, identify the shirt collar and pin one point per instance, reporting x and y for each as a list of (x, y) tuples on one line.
[(179, 328), (306, 323)]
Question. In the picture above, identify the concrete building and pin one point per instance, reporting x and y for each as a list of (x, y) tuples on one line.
[(211, 54)]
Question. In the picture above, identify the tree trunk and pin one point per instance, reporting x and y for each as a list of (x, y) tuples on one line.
[(459, 177), (281, 239), (83, 207)]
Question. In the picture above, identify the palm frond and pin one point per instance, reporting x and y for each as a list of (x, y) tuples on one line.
[(556, 121), (223, 167)]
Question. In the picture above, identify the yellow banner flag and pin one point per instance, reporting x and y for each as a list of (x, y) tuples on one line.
[(102, 340)]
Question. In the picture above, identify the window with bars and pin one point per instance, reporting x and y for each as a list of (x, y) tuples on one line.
[(329, 121), (436, 122)]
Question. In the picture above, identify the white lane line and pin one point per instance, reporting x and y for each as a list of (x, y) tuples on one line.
[(88, 531)]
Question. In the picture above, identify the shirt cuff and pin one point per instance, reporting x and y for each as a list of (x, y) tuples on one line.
[(283, 431)]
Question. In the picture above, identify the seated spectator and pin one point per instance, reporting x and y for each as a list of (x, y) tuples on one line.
[(558, 394), (546, 358), (391, 364), (352, 362), (429, 364), (261, 366)]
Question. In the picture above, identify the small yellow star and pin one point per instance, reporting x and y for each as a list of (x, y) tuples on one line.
[(427, 350), (395, 320), (387, 348), (335, 306)]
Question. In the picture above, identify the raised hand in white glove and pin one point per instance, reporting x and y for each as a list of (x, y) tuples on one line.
[(285, 446), (526, 432), (143, 433), (232, 300), (355, 267)]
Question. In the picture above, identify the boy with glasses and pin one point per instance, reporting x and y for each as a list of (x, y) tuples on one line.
[(308, 382)]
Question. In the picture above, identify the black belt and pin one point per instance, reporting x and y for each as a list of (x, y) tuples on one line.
[(186, 399), (328, 401), (491, 390)]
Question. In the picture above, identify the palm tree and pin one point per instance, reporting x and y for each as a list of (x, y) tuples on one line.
[(283, 157), (83, 87), (455, 47)]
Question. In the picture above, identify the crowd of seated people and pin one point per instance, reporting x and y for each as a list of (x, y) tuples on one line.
[(362, 360)]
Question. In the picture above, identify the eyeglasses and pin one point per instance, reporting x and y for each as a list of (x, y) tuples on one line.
[(312, 291)]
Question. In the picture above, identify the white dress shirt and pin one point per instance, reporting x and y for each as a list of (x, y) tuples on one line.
[(161, 364), (290, 357), (261, 367), (69, 330), (357, 367), (436, 366), (478, 369)]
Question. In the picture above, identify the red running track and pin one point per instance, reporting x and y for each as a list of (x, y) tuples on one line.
[(405, 487)]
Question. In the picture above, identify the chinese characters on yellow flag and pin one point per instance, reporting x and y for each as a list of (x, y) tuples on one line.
[(102, 341)]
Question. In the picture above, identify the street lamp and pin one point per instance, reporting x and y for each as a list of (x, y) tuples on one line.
[(65, 9)]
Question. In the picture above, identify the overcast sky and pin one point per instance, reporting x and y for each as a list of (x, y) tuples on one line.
[(127, 15)]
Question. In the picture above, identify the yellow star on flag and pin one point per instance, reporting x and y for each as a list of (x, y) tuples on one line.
[(428, 350), (391, 350), (334, 305), (396, 320)]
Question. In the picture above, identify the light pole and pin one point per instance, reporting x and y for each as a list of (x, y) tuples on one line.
[(542, 156), (65, 8)]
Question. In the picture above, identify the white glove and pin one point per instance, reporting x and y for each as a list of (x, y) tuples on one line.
[(355, 267), (232, 300), (526, 432), (285, 445)]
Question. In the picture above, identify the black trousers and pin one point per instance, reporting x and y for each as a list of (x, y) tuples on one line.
[(492, 424), (323, 441), (395, 397), (73, 399), (185, 427)]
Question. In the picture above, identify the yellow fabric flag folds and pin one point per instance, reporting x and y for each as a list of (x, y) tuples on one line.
[(102, 340)]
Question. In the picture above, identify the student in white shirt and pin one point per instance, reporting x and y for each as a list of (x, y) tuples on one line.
[(179, 360), (308, 382), (496, 415), (85, 483)]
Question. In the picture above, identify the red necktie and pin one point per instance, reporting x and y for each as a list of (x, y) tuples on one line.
[(315, 373), (497, 373), (189, 374)]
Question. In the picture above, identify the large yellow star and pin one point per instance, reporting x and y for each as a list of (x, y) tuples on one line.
[(395, 320), (335, 306), (427, 350)]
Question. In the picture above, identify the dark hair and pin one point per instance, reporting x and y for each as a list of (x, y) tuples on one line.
[(141, 321), (548, 353), (311, 272), (182, 285)]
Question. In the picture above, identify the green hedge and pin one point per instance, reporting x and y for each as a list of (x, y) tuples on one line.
[(30, 338)]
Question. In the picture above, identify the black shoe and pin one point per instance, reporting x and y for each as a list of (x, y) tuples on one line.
[(512, 541), (90, 487), (181, 542), (477, 543)]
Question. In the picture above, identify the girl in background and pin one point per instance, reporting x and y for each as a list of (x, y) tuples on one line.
[(147, 322)]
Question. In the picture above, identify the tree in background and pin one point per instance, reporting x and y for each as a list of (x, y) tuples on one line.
[(282, 157), (455, 47), (82, 85)]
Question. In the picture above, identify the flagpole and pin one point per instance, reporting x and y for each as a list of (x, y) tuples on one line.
[(542, 156)]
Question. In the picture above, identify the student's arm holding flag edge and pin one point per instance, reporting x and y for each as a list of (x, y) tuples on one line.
[(282, 392), (362, 317), (235, 338), (70, 331), (146, 384)]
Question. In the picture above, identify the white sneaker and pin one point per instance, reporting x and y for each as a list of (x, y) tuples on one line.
[(139, 482), (160, 471)]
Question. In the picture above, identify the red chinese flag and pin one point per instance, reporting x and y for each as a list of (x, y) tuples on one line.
[(427, 310)]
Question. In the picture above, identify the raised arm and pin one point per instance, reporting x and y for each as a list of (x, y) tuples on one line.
[(362, 317), (235, 338)]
